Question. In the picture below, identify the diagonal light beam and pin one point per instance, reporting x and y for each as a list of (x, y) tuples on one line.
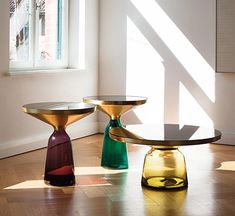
[(180, 46)]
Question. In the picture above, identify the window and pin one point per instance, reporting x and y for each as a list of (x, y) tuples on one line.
[(38, 34)]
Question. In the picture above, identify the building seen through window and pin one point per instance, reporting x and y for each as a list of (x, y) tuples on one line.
[(37, 31)]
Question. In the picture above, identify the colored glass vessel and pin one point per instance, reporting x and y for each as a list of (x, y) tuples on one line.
[(114, 153), (164, 165), (59, 167)]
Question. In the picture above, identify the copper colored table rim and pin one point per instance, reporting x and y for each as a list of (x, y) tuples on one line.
[(122, 134), (45, 108), (100, 100)]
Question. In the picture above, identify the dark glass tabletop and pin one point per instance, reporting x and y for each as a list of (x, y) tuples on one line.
[(165, 134), (115, 100), (58, 108)]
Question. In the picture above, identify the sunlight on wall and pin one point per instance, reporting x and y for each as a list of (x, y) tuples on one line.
[(190, 111), (144, 75), (180, 46)]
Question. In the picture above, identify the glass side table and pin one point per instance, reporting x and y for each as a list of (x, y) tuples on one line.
[(164, 165), (59, 167), (114, 153)]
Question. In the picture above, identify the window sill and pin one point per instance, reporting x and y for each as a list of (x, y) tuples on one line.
[(41, 71)]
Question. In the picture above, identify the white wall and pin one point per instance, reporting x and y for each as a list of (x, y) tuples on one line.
[(20, 132), (166, 50), (176, 93)]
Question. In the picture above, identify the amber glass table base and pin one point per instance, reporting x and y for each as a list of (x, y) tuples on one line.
[(164, 169), (59, 168), (164, 165), (114, 153)]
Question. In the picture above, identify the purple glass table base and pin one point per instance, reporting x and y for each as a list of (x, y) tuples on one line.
[(59, 168)]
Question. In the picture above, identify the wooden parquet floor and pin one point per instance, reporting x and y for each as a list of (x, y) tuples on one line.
[(104, 192)]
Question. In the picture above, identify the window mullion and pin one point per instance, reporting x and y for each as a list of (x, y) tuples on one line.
[(65, 29), (31, 32), (36, 34)]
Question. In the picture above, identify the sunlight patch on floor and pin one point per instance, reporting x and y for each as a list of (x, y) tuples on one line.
[(99, 170), (83, 180), (227, 165)]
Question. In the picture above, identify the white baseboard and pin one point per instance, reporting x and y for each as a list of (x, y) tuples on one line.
[(227, 138), (102, 126), (36, 142)]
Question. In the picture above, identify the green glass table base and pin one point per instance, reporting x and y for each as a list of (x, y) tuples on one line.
[(114, 153), (164, 169)]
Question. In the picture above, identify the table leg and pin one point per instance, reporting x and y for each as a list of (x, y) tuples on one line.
[(164, 169), (114, 153), (59, 168)]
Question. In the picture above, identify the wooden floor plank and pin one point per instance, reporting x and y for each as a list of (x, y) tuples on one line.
[(100, 191)]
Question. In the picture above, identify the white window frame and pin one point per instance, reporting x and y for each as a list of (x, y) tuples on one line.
[(32, 64)]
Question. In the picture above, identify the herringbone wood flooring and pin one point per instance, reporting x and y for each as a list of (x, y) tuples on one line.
[(104, 192)]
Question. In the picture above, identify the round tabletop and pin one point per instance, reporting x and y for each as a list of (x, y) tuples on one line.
[(115, 100), (165, 134), (58, 108)]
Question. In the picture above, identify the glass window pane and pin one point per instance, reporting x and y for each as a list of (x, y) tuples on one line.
[(50, 29), (19, 30)]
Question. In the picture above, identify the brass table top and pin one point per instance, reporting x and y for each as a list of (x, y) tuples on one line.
[(115, 105), (59, 114), (165, 134), (115, 100)]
